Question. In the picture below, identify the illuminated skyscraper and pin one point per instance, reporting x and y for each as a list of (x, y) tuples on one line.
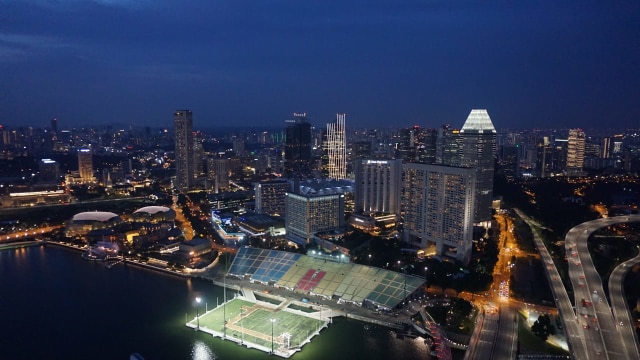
[(377, 186), (438, 204), (218, 173), (575, 152), (448, 146), (478, 150), (606, 148), (297, 153), (49, 170), (198, 154), (85, 165), (337, 148), (183, 121), (270, 196), (307, 215)]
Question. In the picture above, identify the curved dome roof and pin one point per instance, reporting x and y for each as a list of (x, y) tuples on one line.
[(95, 216), (153, 209)]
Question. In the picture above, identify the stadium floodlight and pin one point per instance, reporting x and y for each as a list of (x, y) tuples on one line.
[(198, 300)]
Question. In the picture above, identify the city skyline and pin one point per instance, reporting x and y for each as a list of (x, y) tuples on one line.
[(90, 63)]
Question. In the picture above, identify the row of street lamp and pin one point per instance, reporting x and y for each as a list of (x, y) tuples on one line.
[(199, 300)]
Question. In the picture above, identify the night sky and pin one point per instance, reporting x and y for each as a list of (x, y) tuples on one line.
[(384, 63)]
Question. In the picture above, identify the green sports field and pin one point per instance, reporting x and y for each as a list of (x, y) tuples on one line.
[(253, 323)]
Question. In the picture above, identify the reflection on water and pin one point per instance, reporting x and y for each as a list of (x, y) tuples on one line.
[(75, 302), (201, 351)]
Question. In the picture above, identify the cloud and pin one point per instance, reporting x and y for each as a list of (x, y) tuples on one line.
[(14, 47)]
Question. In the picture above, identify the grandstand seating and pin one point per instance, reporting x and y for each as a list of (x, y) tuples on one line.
[(331, 280)]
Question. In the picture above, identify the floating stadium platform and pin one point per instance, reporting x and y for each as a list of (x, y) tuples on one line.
[(344, 282)]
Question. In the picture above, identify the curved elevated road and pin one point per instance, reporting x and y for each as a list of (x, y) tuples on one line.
[(620, 308), (575, 338), (592, 331), (599, 328)]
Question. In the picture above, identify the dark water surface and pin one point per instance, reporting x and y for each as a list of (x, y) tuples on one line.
[(55, 305)]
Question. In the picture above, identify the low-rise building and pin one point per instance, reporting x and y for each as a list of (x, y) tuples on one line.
[(195, 247)]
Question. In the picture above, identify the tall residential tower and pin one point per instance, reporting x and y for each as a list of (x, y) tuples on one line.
[(575, 152), (438, 203), (183, 121)]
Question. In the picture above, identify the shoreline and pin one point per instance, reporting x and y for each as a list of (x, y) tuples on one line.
[(22, 244), (214, 276)]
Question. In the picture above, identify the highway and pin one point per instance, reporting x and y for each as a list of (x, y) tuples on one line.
[(497, 338), (486, 340), (592, 332), (507, 337), (601, 331), (572, 329), (28, 234), (620, 308)]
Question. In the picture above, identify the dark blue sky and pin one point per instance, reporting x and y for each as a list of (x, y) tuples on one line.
[(384, 63)]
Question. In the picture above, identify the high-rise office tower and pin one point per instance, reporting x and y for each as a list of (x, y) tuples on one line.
[(218, 173), (606, 148), (575, 151), (509, 161), (377, 186), (49, 170), (337, 148), (198, 154), (448, 146), (478, 150), (307, 215), (297, 153), (438, 204), (238, 146), (404, 146), (417, 144), (85, 165), (425, 141), (361, 149), (617, 147), (183, 122), (270, 196), (544, 157)]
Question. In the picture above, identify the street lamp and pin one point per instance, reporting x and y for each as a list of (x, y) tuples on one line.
[(198, 299), (398, 265), (425, 277), (369, 259), (272, 321)]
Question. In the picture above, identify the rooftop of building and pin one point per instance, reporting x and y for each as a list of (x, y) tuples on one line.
[(325, 187), (478, 120), (153, 209), (95, 216)]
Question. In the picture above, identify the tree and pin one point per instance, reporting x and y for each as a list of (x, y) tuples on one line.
[(542, 327)]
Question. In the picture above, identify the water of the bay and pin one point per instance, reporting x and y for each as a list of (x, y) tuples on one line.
[(55, 305)]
